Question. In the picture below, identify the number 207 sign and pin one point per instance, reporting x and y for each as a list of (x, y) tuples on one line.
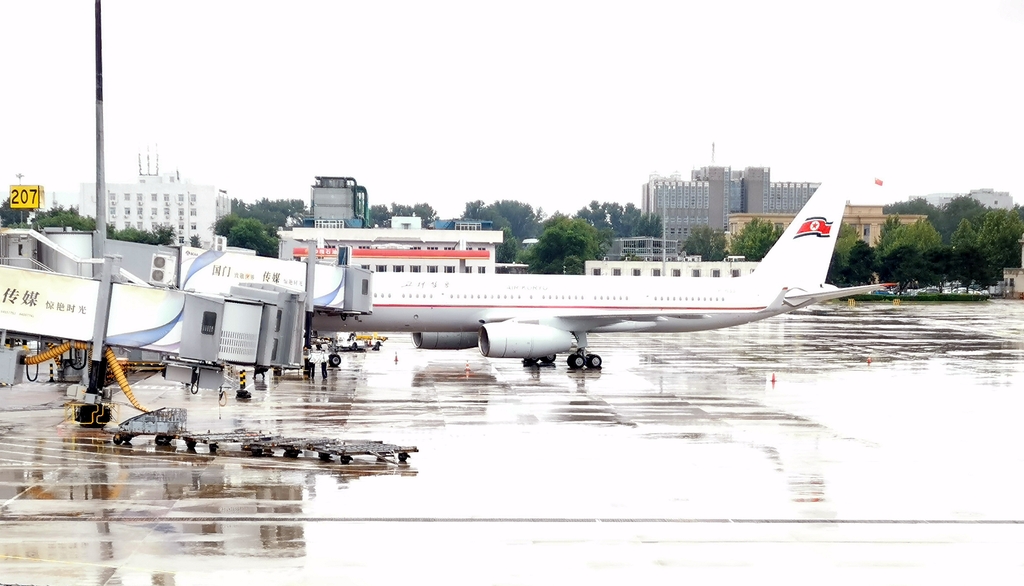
[(26, 197)]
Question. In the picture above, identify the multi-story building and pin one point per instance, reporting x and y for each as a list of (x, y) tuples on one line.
[(154, 201), (682, 204), (987, 197), (714, 193), (451, 247), (867, 220)]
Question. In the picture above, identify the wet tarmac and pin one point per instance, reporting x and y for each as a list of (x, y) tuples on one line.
[(680, 460)]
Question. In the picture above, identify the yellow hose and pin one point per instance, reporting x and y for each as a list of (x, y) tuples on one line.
[(55, 352), (122, 380)]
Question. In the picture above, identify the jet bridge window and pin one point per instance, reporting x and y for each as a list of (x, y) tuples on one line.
[(209, 323)]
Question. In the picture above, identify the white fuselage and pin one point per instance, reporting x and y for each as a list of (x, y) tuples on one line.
[(463, 302)]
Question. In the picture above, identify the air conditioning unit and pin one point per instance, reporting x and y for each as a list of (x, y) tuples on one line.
[(163, 270)]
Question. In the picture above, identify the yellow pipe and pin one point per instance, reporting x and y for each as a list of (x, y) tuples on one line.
[(55, 352), (122, 380)]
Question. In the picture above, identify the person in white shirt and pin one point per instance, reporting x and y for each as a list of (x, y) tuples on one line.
[(318, 356)]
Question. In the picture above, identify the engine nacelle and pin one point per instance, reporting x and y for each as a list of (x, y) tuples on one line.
[(444, 340), (517, 340)]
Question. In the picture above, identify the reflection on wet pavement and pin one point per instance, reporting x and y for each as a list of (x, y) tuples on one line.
[(681, 439)]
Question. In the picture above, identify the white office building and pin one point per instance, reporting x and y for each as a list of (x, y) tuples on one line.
[(988, 197), (154, 201)]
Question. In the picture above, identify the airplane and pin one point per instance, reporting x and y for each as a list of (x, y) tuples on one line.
[(536, 317)]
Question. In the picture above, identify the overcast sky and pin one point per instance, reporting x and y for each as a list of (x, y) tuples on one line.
[(552, 103)]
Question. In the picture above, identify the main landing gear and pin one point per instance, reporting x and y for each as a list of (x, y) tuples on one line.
[(580, 358)]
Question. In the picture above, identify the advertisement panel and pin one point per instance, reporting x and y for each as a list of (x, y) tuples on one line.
[(215, 272), (47, 304), (143, 317)]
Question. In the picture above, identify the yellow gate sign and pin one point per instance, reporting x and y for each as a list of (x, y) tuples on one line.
[(26, 197)]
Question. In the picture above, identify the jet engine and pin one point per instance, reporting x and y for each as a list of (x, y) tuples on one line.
[(518, 340), (444, 340)]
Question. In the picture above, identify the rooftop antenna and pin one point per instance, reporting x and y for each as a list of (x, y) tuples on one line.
[(140, 162), (147, 160), (712, 153), (157, 159)]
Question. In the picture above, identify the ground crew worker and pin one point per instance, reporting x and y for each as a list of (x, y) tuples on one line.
[(321, 357), (308, 363)]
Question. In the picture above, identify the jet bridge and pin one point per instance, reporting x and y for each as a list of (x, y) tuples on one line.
[(201, 309)]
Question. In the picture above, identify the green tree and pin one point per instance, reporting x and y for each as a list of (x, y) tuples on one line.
[(61, 217), (10, 218), (755, 239), (709, 243), (163, 234), (596, 214), (509, 247), (194, 241), (999, 238), (255, 235), (224, 224), (968, 263), (563, 246), (902, 264), (520, 217), (957, 210), (887, 236), (921, 235), (647, 225), (860, 269), (380, 215), (845, 241), (276, 213)]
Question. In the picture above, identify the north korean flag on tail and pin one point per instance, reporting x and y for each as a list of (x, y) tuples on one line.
[(814, 226)]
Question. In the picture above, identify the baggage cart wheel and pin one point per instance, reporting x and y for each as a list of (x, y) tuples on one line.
[(190, 444), (345, 459), (117, 439), (213, 448), (334, 360), (324, 457), (403, 456)]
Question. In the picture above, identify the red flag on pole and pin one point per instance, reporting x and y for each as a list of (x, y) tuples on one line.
[(878, 181)]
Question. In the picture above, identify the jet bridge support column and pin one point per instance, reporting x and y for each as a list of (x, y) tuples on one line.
[(98, 369), (310, 272)]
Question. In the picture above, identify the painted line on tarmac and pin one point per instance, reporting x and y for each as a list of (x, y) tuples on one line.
[(293, 519)]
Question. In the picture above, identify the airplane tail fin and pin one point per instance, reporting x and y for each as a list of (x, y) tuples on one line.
[(802, 255)]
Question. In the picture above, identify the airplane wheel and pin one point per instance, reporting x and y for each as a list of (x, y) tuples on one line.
[(593, 361), (547, 359), (529, 362), (575, 361), (334, 360)]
